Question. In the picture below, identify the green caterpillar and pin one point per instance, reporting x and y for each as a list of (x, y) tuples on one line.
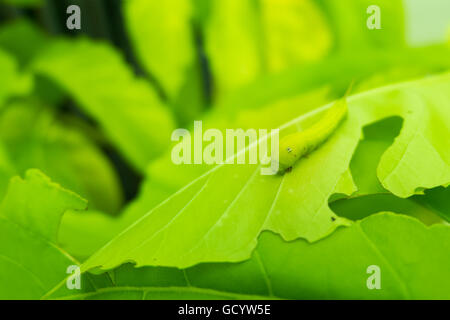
[(296, 145)]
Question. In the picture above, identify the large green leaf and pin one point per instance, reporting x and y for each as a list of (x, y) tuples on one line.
[(334, 268), (165, 178), (127, 108), (34, 137), (31, 262), (275, 100), (204, 222)]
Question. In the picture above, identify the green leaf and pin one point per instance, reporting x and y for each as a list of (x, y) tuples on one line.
[(171, 177), (275, 100), (12, 82), (232, 25), (334, 268), (128, 110), (23, 51), (167, 50), (41, 213), (34, 137), (163, 38), (420, 156), (165, 178), (246, 39), (203, 221), (377, 139), (371, 197), (31, 262), (26, 51), (294, 33)]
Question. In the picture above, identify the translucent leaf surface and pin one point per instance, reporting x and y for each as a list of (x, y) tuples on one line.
[(165, 178), (204, 221)]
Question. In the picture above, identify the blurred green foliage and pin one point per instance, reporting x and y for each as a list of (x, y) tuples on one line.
[(93, 110)]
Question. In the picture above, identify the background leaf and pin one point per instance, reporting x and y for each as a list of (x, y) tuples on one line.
[(165, 42), (246, 39), (23, 51), (337, 72), (34, 137), (167, 46), (126, 108), (12, 83)]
